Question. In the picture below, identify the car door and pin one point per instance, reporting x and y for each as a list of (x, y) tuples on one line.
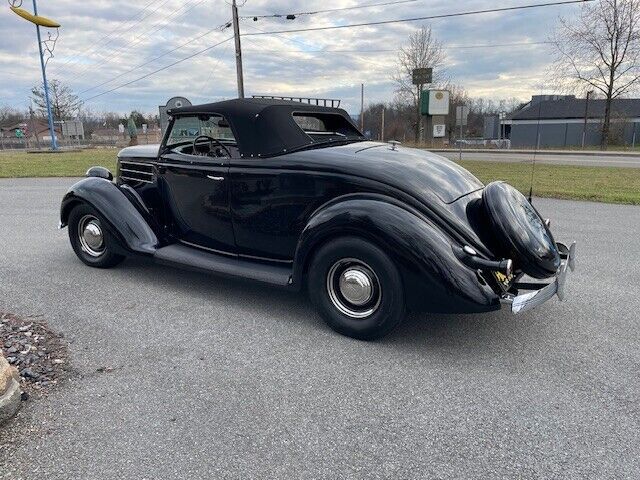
[(195, 190), (271, 202)]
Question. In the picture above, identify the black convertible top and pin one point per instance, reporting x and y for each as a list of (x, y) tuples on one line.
[(266, 127)]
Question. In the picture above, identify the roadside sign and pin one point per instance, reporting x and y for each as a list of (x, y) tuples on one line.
[(439, 131), (173, 102), (72, 128), (144, 128), (422, 76), (121, 128), (434, 102), (462, 113)]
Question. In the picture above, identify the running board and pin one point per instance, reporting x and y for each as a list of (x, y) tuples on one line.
[(192, 258)]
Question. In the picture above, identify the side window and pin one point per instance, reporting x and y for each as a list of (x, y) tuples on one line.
[(309, 123), (319, 125)]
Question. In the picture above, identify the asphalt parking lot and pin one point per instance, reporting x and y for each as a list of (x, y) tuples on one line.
[(215, 378)]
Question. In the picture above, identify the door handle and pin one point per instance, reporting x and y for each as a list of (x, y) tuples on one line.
[(217, 179)]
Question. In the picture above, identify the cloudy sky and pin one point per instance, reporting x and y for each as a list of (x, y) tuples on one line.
[(101, 40)]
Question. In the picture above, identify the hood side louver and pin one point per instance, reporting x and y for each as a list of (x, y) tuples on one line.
[(135, 171)]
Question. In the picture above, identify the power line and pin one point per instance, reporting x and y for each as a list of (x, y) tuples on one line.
[(193, 39), (158, 70), (416, 19), (445, 47), (315, 12), (293, 40), (213, 69), (138, 38), (106, 36)]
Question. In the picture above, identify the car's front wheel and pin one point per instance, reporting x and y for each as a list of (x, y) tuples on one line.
[(357, 288), (90, 238)]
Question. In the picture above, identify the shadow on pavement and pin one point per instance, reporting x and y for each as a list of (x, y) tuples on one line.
[(421, 331)]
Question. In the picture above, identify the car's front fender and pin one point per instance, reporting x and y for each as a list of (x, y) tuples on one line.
[(435, 279), (124, 219)]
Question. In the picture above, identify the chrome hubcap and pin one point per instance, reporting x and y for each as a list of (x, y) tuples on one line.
[(91, 236), (353, 288), (356, 286)]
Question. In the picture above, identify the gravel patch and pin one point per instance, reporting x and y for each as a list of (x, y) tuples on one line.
[(40, 354), (41, 357)]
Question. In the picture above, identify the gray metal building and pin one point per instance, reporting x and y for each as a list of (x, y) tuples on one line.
[(559, 121)]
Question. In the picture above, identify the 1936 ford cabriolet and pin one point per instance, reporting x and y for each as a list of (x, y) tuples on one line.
[(293, 195)]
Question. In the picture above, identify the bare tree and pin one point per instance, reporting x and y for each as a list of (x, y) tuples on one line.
[(423, 50), (600, 49), (64, 104), (10, 115), (458, 97)]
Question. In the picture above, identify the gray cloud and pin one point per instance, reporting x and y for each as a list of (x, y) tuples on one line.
[(99, 40)]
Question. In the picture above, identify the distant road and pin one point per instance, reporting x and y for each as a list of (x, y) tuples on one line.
[(588, 159)]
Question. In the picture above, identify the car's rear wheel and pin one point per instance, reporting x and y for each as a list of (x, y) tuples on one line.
[(356, 288), (91, 239)]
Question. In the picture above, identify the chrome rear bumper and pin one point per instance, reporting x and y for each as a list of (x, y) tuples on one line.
[(542, 292)]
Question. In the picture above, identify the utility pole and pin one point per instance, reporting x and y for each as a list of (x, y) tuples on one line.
[(382, 126), (362, 107), (586, 114), (236, 34), (419, 120)]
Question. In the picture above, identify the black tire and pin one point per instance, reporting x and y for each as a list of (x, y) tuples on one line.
[(520, 231), (350, 259), (102, 256)]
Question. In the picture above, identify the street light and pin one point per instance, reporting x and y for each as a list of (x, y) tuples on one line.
[(40, 21)]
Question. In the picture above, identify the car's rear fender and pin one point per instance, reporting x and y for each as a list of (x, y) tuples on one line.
[(434, 278), (124, 219)]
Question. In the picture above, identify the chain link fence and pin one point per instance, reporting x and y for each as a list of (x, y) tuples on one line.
[(106, 141)]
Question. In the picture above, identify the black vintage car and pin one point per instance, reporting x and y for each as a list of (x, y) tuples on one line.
[(293, 195)]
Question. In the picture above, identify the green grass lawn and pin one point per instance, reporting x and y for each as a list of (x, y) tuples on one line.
[(600, 184), (66, 164)]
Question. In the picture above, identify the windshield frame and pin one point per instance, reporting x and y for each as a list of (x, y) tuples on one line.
[(165, 146)]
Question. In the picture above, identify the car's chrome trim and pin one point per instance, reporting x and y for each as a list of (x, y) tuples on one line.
[(221, 252), (527, 301), (128, 171), (266, 259), (229, 254), (143, 164), (123, 177)]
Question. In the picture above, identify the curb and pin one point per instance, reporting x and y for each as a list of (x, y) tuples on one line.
[(499, 151), (10, 392)]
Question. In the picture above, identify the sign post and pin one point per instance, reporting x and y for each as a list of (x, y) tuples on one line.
[(462, 113), (36, 19), (421, 77)]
